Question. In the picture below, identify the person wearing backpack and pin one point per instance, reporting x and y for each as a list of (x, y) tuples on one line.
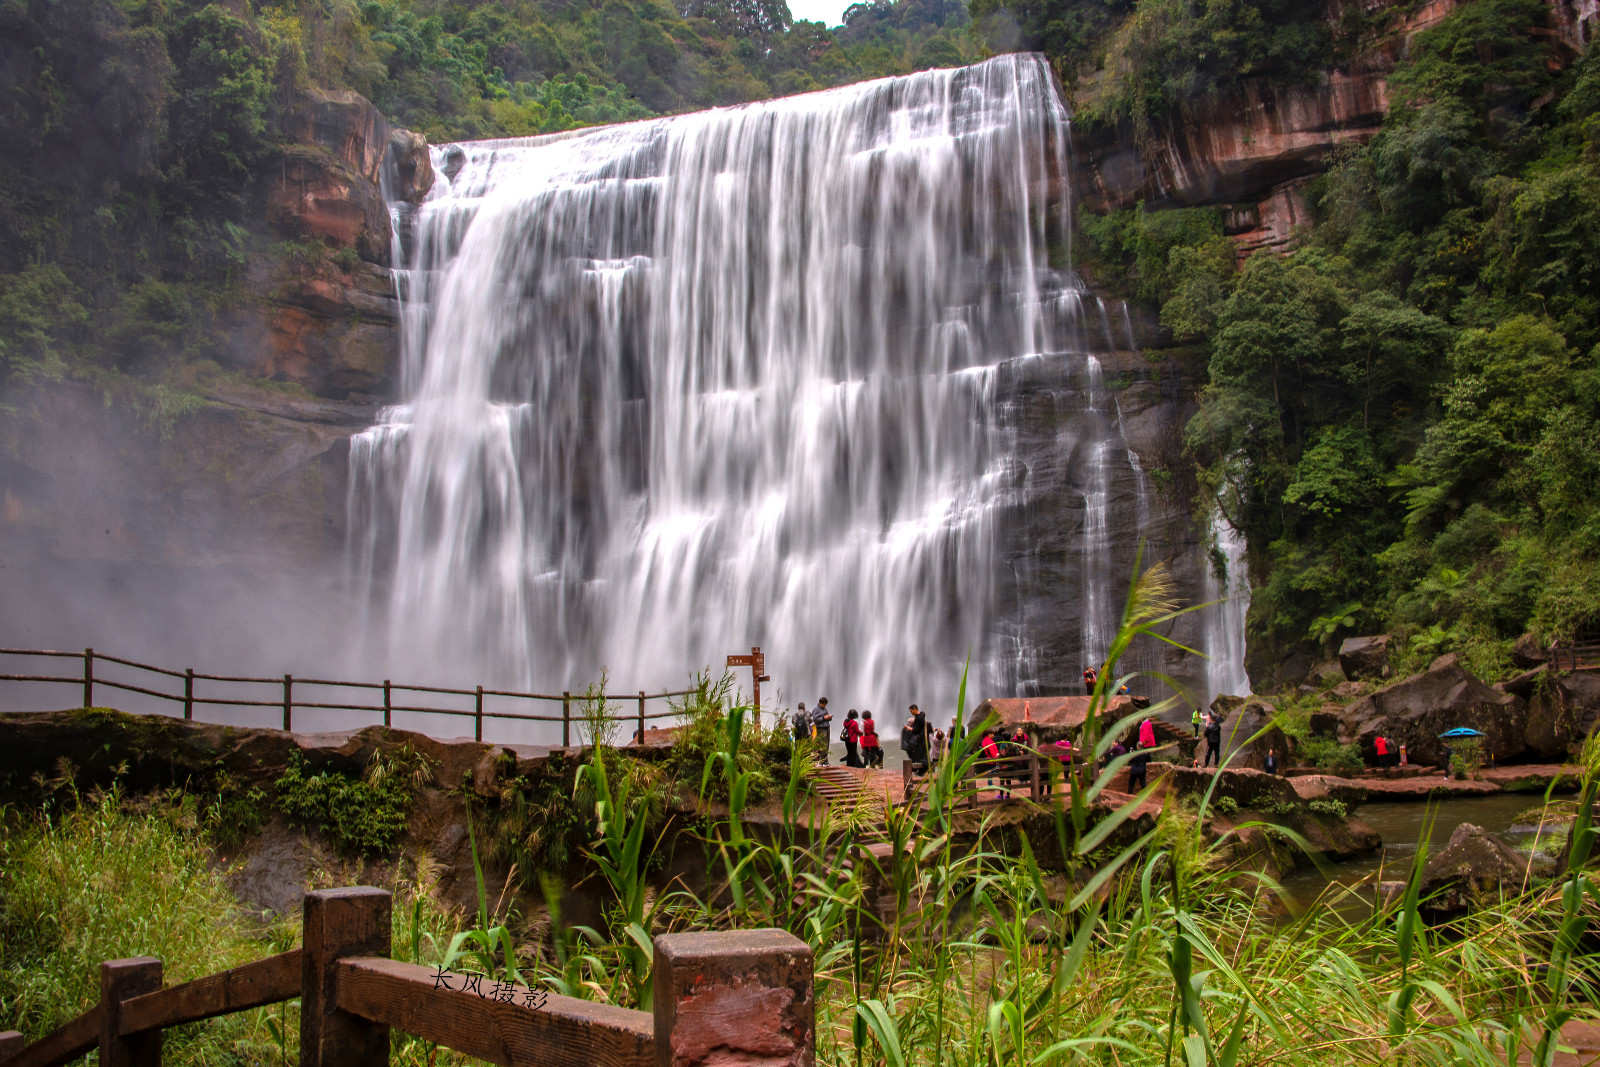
[(1089, 680), (802, 724)]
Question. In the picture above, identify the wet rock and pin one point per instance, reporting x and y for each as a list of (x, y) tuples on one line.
[(1337, 838), (1329, 787), (410, 166), (1528, 653), (1474, 864), (1365, 657), (1417, 710)]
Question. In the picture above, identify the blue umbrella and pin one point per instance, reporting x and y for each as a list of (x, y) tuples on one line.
[(1463, 731)]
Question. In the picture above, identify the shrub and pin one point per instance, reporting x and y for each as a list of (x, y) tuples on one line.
[(1326, 754), (1329, 806), (361, 816)]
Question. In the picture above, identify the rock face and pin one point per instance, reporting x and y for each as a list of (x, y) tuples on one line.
[(1528, 653), (1474, 864), (1365, 657), (1329, 787), (1242, 725), (1255, 149), (1562, 709), (1420, 708), (410, 166), (327, 318)]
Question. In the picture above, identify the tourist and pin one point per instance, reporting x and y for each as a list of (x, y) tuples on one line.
[(852, 739), (1138, 768), (802, 724), (1147, 734), (939, 745), (1213, 742), (1270, 764), (991, 755), (914, 740), (1090, 678), (820, 718), (1065, 754), (1194, 720), (869, 740), (1381, 746)]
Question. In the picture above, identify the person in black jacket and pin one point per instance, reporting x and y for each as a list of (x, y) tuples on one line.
[(1213, 742)]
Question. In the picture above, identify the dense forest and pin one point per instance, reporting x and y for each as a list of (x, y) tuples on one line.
[(1402, 413)]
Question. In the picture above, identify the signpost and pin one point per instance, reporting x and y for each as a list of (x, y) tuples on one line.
[(758, 672)]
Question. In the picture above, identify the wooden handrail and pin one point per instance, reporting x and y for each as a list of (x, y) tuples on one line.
[(250, 986), (443, 1008), (734, 997), (62, 1045)]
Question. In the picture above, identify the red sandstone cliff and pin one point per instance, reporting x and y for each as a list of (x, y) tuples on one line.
[(1255, 149)]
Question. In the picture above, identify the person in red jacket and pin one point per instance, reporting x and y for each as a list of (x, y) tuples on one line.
[(852, 739), (869, 741), (1382, 746)]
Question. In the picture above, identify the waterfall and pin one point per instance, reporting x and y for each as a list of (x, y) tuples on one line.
[(1224, 622), (682, 386)]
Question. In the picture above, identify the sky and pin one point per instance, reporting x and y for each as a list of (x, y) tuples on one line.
[(826, 11)]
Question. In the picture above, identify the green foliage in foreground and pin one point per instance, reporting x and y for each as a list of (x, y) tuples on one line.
[(1403, 413)]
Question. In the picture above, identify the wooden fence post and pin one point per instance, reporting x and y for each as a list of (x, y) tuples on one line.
[(340, 922), (88, 677), (188, 693), (641, 718), (743, 996), (122, 980), (11, 1043), (1033, 773), (388, 705), (566, 719), (477, 716), (288, 703)]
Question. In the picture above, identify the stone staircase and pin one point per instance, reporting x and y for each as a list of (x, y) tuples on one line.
[(847, 789)]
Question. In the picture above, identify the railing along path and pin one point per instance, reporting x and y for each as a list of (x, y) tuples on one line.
[(738, 997), (285, 699)]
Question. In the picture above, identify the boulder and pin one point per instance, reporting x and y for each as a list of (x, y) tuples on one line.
[(311, 193), (1249, 788), (1245, 722), (1561, 711), (1329, 787), (1475, 863), (1528, 653), (1417, 710), (1327, 674), (408, 167), (1324, 722), (1365, 657), (1225, 703)]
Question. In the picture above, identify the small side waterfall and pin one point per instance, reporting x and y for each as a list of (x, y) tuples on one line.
[(748, 376), (1224, 622)]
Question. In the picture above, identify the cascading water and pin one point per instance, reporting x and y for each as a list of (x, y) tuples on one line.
[(684, 386), (1224, 622)]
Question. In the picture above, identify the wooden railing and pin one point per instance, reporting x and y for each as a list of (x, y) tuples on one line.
[(744, 996), (1575, 655), (190, 698)]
